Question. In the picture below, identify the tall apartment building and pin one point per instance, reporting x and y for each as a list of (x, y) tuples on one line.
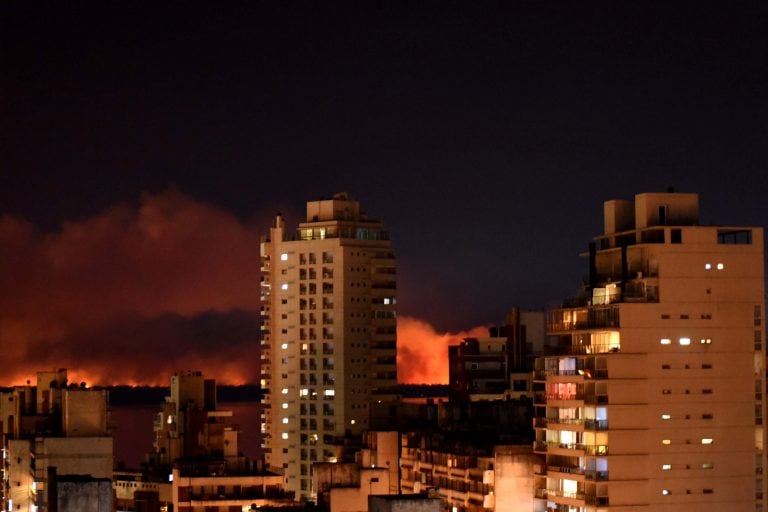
[(654, 400), (328, 348)]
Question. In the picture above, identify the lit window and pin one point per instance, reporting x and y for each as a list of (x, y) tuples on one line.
[(665, 492), (304, 392), (666, 441), (720, 266), (284, 435), (708, 266), (685, 341), (665, 341), (284, 391), (284, 346), (352, 422), (284, 286), (706, 341), (284, 256), (666, 467), (666, 416), (330, 392), (706, 440), (285, 405), (285, 421)]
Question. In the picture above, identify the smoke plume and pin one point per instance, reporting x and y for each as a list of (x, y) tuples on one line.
[(138, 292), (422, 353), (131, 294)]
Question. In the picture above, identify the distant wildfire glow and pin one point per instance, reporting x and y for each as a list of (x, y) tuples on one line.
[(422, 353), (136, 293), (131, 295)]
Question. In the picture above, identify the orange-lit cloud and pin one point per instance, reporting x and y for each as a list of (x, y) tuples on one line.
[(131, 295), (136, 293), (422, 353)]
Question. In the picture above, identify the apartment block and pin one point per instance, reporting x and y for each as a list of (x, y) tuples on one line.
[(465, 478), (196, 464), (654, 397), (499, 366), (57, 453), (328, 348)]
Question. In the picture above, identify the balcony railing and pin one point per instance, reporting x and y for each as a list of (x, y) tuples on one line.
[(565, 396), (566, 469), (601, 449), (596, 424), (591, 474), (600, 501), (565, 494), (572, 319), (568, 446), (566, 421)]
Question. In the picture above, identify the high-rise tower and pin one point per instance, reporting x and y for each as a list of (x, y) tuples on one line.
[(654, 400), (328, 347)]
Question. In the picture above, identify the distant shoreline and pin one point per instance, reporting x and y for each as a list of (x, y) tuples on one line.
[(153, 395)]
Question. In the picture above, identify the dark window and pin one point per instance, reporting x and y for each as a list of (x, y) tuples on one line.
[(734, 236), (677, 236)]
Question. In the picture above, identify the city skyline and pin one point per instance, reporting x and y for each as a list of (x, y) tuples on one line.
[(141, 147)]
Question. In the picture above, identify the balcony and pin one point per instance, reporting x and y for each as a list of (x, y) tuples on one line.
[(598, 501), (591, 474), (568, 470), (556, 493), (570, 449), (575, 319), (596, 424), (565, 421), (565, 396), (601, 449)]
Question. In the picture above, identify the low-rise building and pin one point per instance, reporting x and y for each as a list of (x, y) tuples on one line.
[(196, 464), (465, 478), (56, 446)]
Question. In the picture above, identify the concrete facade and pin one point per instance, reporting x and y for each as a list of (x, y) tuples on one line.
[(84, 495), (345, 487), (58, 429), (328, 347), (467, 482), (655, 399), (404, 503)]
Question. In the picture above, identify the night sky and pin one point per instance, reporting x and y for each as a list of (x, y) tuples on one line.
[(145, 147)]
